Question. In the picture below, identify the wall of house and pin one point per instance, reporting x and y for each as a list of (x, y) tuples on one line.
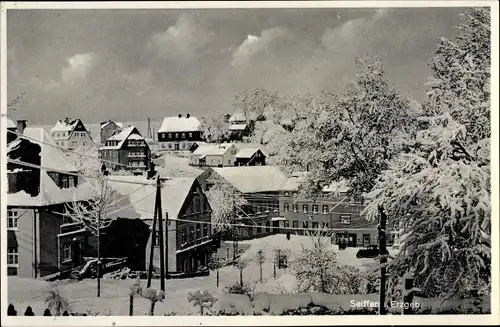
[(25, 240), (108, 131), (128, 148), (170, 141), (49, 249), (253, 161), (79, 138)]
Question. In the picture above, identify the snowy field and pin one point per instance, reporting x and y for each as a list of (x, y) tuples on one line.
[(114, 295)]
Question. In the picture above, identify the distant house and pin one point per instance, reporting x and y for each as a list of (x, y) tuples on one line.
[(109, 128), (41, 239), (188, 246), (333, 210), (179, 133), (250, 157), (71, 134), (214, 155), (239, 127), (128, 148), (260, 186)]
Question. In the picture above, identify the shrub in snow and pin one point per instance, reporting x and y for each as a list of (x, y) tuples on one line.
[(238, 288), (135, 289), (235, 304), (56, 302), (203, 300), (153, 296)]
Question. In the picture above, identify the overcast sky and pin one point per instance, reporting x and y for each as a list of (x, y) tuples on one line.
[(132, 64)]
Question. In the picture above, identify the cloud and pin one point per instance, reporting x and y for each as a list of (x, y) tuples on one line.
[(254, 45), (182, 40), (78, 67)]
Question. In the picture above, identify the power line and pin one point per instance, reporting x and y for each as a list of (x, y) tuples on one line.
[(66, 150), (22, 163)]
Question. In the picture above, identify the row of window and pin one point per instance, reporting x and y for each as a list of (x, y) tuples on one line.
[(80, 134), (305, 208), (171, 135), (188, 234), (177, 147), (60, 134), (314, 224), (63, 180)]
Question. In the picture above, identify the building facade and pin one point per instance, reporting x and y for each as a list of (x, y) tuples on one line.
[(109, 128), (179, 133), (186, 215), (42, 240), (250, 157), (127, 148), (239, 126), (214, 155), (71, 134)]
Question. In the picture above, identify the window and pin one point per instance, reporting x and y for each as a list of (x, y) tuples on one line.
[(295, 207), (315, 225), (205, 230), (286, 193), (12, 257), (183, 236), (294, 193), (268, 226), (268, 207), (191, 233), (190, 135), (64, 181), (286, 207), (324, 225), (176, 135), (305, 208), (183, 135), (315, 208), (286, 224), (198, 231), (305, 224), (170, 146), (169, 135), (156, 240), (12, 217), (325, 209), (295, 224), (259, 229), (66, 252), (345, 219)]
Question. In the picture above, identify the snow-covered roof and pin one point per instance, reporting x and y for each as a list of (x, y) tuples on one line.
[(127, 133), (212, 149), (179, 124), (247, 153), (140, 201), (11, 124), (237, 116), (252, 179), (104, 124), (238, 127), (293, 183), (51, 158), (62, 126)]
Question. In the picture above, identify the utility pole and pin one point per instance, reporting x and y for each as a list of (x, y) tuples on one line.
[(166, 244), (383, 258), (153, 238), (99, 239), (234, 233), (160, 231)]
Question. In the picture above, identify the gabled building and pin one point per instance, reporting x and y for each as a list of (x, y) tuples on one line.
[(127, 148), (239, 126), (260, 186), (187, 246), (109, 128), (179, 133), (333, 210), (250, 157), (214, 155), (71, 134), (41, 239)]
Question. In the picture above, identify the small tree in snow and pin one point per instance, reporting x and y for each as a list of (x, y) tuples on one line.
[(89, 163), (95, 215), (56, 303), (260, 258), (215, 264), (153, 296), (214, 129), (241, 264), (203, 300), (135, 289)]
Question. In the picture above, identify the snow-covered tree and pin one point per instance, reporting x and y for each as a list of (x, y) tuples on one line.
[(254, 103), (215, 264), (225, 201), (88, 163), (440, 189), (154, 296), (260, 258), (214, 129), (96, 214), (204, 300), (240, 264)]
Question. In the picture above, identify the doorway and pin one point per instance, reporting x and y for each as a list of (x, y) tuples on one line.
[(366, 240), (351, 240), (176, 146)]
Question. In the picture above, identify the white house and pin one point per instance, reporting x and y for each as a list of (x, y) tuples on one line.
[(214, 155), (71, 134), (179, 133)]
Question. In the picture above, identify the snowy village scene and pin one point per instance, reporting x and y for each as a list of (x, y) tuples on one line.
[(247, 162)]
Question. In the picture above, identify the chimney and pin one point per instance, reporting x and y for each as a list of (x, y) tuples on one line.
[(188, 115), (21, 125), (66, 120), (180, 116)]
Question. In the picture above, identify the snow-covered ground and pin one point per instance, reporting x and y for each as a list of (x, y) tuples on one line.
[(170, 165), (114, 296)]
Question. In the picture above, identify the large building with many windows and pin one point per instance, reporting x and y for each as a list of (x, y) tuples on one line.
[(179, 133), (41, 240)]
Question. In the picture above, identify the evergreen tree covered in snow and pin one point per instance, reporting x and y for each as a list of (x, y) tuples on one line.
[(440, 189)]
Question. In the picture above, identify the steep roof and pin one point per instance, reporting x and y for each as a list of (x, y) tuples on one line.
[(237, 116), (179, 124), (252, 179), (139, 201), (247, 153), (51, 158), (212, 149), (106, 123), (127, 133), (62, 126)]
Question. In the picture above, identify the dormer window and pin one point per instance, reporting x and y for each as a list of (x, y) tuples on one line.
[(64, 180)]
